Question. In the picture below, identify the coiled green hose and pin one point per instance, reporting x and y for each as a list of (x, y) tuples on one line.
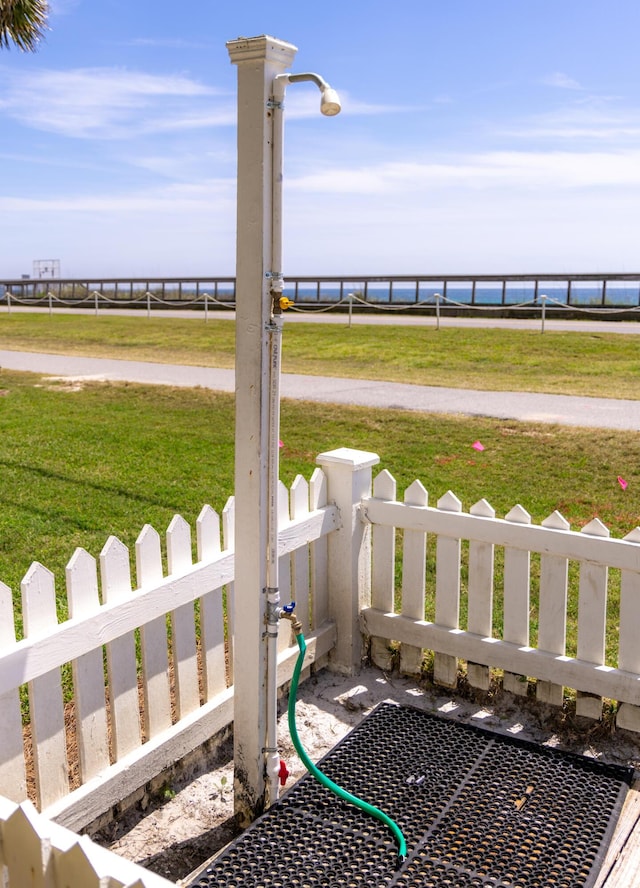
[(318, 774)]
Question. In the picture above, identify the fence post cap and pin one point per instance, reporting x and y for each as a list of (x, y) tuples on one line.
[(358, 459)]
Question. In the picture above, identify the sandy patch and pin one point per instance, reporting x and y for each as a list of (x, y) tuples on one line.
[(178, 833)]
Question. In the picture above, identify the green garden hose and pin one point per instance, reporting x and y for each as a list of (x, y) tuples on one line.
[(317, 773)]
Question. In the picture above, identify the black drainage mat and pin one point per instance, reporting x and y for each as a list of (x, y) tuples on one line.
[(477, 809)]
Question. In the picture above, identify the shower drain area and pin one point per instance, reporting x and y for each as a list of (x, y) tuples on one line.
[(477, 809)]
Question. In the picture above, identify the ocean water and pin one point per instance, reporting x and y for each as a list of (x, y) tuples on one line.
[(624, 294)]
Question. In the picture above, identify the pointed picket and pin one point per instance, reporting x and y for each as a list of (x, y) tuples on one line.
[(207, 534), (88, 671), (183, 627), (24, 857), (214, 675), (480, 613), (12, 768), (592, 619), (156, 690), (300, 570), (319, 556), (445, 670), (516, 599), (552, 609), (228, 545), (122, 671), (45, 693), (73, 867), (383, 551), (414, 561)]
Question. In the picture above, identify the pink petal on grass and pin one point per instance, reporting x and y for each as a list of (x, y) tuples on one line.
[(280, 443), (624, 484), (477, 446)]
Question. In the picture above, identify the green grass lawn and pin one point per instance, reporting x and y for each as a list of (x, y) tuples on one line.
[(597, 364), (79, 465)]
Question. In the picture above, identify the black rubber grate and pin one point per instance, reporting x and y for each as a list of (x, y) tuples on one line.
[(477, 809)]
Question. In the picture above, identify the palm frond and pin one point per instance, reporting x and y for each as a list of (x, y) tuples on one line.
[(23, 23)]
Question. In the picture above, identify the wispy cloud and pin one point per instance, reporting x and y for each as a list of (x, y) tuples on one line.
[(528, 170), (112, 103), (561, 80), (595, 119), (213, 194)]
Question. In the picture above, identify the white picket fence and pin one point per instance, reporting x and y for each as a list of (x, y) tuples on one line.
[(144, 697), (477, 642), (38, 853)]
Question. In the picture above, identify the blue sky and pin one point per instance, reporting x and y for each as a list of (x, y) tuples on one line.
[(477, 136)]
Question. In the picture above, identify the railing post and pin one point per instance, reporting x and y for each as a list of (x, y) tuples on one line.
[(348, 474), (543, 300), (438, 297)]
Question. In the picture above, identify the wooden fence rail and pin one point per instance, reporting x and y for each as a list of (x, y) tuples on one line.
[(505, 643)]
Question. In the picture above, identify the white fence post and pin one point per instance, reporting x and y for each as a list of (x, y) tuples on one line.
[(349, 552)]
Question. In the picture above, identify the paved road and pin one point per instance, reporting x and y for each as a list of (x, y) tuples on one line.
[(529, 407)]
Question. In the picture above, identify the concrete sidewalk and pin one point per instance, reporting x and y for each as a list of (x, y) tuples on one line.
[(524, 406)]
